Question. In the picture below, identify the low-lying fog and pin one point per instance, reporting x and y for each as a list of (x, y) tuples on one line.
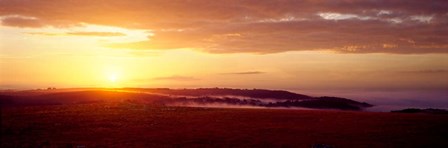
[(385, 101)]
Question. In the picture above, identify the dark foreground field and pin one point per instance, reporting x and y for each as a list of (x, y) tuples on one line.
[(124, 124)]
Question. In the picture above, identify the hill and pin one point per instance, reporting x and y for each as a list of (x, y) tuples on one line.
[(425, 111), (202, 97)]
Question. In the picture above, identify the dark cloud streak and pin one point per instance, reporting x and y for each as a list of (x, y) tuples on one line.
[(244, 73), (176, 78), (96, 33), (22, 22), (428, 71)]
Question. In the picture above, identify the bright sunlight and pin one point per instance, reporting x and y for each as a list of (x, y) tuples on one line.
[(112, 78)]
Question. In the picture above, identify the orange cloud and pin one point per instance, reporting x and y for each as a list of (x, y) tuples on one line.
[(263, 26)]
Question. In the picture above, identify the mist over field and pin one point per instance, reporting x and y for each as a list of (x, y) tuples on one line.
[(385, 101)]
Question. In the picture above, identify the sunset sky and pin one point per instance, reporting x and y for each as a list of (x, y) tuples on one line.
[(309, 45)]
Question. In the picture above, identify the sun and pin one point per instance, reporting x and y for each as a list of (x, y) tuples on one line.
[(112, 78)]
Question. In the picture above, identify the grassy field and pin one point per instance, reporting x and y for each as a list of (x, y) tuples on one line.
[(122, 124)]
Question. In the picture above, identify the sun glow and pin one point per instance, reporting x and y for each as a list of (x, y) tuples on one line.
[(112, 78)]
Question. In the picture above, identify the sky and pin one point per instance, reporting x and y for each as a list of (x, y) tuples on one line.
[(367, 49)]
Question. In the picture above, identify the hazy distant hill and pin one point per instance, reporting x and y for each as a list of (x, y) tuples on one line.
[(426, 111), (202, 97), (252, 93)]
